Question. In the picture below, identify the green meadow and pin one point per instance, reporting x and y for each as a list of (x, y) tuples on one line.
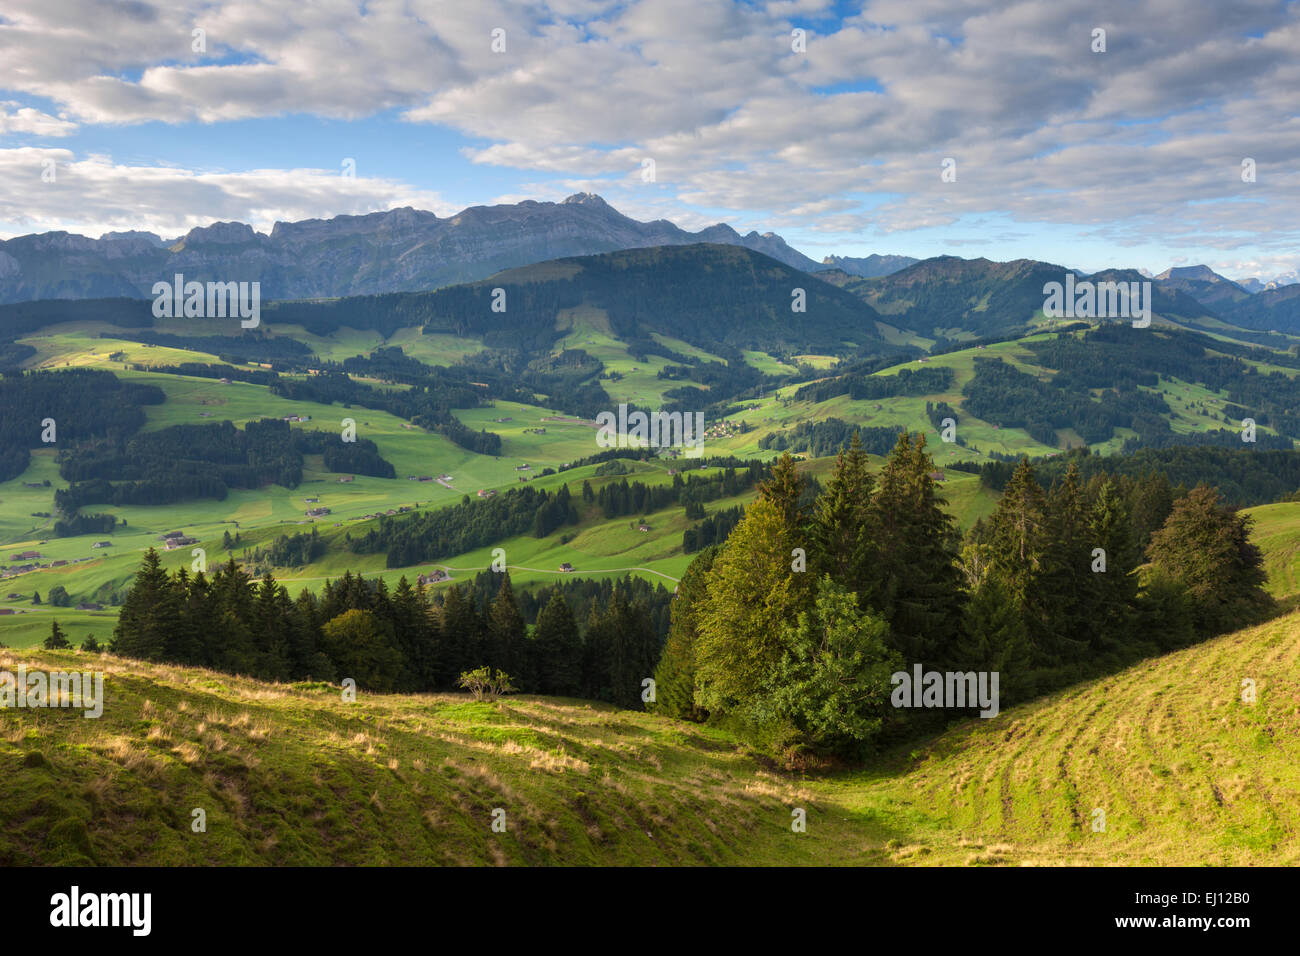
[(1185, 772)]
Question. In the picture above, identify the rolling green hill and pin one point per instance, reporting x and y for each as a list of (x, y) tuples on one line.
[(724, 305)]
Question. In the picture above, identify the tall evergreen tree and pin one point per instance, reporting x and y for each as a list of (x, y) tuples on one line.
[(784, 490), (307, 660), (1115, 589), (508, 632), (1152, 501), (414, 629), (1019, 534), (147, 614), (840, 532), (559, 649), (57, 641), (752, 594), (1067, 580), (916, 584), (463, 635), (633, 652), (675, 680), (995, 637), (270, 629), (597, 654)]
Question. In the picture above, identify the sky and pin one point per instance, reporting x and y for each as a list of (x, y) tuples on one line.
[(1169, 138)]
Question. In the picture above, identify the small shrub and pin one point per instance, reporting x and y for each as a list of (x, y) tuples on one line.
[(486, 683)]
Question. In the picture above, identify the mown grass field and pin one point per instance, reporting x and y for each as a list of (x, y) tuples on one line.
[(1185, 771)]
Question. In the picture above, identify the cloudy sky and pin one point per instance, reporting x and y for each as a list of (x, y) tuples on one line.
[(176, 114)]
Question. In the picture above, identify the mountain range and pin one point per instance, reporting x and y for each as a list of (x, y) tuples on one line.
[(870, 267), (401, 250), (410, 250)]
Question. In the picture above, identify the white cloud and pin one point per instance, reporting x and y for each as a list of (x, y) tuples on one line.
[(15, 119), (94, 195), (1143, 141)]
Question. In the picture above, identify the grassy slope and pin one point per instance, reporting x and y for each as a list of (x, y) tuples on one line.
[(1186, 772), (293, 775), (1194, 408), (1277, 532)]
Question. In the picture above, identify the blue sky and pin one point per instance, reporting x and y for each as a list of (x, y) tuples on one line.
[(1129, 156)]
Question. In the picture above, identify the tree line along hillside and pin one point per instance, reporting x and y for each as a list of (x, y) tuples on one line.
[(1245, 476), (84, 405), (400, 640), (181, 462), (476, 523)]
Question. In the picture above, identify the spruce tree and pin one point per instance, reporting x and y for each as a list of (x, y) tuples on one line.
[(675, 680), (840, 531), (306, 659), (994, 637), (784, 490), (627, 663), (413, 629), (559, 649), (597, 654), (271, 626), (463, 636), (914, 582), (147, 614), (1115, 589), (185, 636), (752, 594), (1069, 586), (1152, 501), (508, 634), (57, 641), (1018, 532)]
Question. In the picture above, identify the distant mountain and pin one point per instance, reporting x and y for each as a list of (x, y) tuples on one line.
[(947, 296), (1203, 284), (713, 296), (399, 250), (1269, 310), (870, 267), (1253, 284), (722, 298)]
